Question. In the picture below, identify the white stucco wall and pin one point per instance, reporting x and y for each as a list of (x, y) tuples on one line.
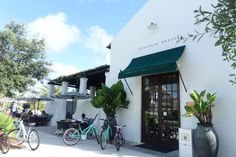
[(201, 66), (58, 109)]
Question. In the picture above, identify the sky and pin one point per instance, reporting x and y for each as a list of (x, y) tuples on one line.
[(76, 31)]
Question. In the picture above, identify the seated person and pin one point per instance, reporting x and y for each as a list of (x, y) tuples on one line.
[(27, 117), (83, 122), (24, 115), (30, 114)]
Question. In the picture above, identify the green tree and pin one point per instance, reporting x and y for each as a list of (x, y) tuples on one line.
[(43, 91), (220, 23), (22, 59)]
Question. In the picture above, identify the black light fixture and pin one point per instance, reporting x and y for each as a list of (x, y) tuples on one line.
[(152, 26)]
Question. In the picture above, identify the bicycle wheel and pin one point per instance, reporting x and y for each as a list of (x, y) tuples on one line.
[(103, 139), (122, 141), (4, 144), (96, 135), (33, 139), (71, 136), (117, 142), (16, 137)]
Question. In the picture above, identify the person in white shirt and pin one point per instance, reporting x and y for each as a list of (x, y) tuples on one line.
[(14, 109)]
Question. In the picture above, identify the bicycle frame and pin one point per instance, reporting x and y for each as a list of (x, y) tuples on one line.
[(108, 132), (119, 129), (23, 129), (119, 140), (85, 132)]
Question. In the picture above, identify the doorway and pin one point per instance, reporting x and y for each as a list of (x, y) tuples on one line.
[(160, 110)]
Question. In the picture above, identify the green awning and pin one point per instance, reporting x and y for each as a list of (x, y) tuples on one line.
[(157, 63)]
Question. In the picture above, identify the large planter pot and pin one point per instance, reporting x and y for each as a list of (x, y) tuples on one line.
[(205, 141)]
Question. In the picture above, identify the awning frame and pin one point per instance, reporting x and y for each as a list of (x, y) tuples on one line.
[(163, 63), (156, 63)]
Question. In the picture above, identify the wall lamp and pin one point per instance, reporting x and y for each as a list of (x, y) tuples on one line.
[(152, 26)]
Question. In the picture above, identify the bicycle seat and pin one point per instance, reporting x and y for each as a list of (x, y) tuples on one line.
[(120, 126)]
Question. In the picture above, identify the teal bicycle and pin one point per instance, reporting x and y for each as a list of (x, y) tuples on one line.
[(72, 135), (106, 134)]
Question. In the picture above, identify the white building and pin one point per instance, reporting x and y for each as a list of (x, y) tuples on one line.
[(156, 28), (157, 93)]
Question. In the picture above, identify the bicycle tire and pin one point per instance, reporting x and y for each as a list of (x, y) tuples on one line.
[(33, 139), (71, 136), (5, 145), (122, 141), (103, 139), (117, 142), (96, 135), (16, 137)]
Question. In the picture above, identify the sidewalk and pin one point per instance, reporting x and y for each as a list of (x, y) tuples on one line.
[(52, 145)]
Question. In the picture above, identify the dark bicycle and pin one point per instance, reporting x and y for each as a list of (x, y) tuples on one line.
[(4, 142), (119, 139)]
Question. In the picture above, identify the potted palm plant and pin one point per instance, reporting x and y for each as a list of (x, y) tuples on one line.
[(111, 99), (205, 139)]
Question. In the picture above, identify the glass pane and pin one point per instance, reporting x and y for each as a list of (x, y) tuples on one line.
[(174, 86), (164, 88), (169, 87), (174, 94)]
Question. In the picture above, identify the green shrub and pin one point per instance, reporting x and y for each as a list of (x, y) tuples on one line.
[(6, 122), (111, 99)]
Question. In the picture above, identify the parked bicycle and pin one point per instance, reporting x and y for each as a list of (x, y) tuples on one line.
[(106, 134), (119, 140), (21, 134), (72, 135), (4, 142)]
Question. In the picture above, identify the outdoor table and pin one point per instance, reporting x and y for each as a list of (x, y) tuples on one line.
[(39, 120), (65, 124)]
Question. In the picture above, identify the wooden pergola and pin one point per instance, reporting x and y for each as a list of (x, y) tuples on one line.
[(95, 77)]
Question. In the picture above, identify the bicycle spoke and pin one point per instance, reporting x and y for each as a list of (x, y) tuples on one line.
[(33, 139), (5, 145), (71, 136), (16, 137), (103, 139)]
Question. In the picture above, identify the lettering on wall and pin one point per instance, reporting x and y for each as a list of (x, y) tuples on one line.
[(156, 43)]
